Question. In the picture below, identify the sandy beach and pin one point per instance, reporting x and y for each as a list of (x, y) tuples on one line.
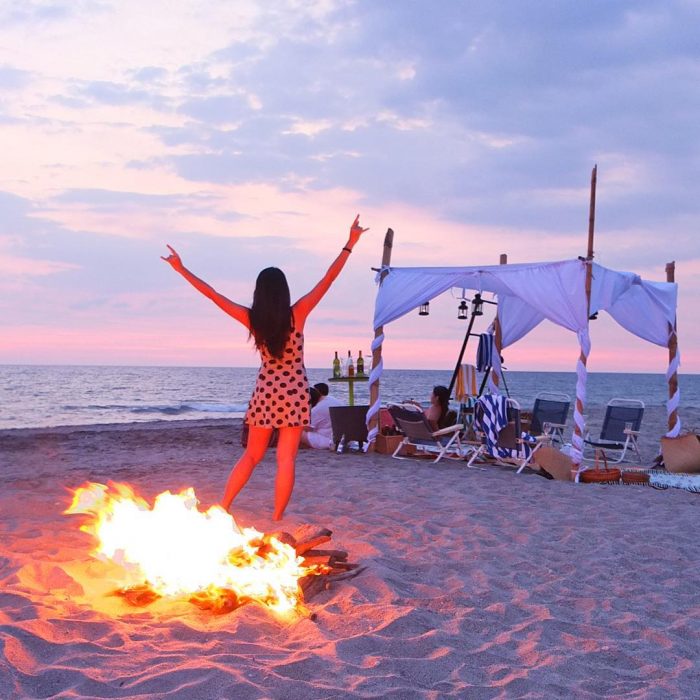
[(478, 583)]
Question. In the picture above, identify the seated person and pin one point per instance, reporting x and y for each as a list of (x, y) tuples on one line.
[(322, 389), (438, 413), (319, 434)]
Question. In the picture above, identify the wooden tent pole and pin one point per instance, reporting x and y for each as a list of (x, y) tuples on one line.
[(672, 350), (497, 337), (377, 352), (583, 359)]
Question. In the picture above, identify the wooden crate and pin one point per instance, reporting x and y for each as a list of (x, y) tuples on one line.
[(386, 444)]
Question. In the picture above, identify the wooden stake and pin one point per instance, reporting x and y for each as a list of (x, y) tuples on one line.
[(672, 350), (304, 547), (377, 353), (589, 278), (591, 224), (497, 337)]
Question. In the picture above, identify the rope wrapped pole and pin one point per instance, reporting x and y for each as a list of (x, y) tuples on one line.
[(674, 422), (495, 375), (377, 362), (584, 339)]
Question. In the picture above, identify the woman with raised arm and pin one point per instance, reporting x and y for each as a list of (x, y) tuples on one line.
[(281, 396)]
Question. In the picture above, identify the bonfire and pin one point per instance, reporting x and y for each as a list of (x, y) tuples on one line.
[(172, 549)]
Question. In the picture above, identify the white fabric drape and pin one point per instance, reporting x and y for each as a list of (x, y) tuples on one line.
[(529, 293), (537, 285), (516, 318), (374, 376)]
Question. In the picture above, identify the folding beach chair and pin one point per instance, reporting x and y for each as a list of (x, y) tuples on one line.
[(419, 434), (348, 424), (550, 407), (497, 423), (621, 428)]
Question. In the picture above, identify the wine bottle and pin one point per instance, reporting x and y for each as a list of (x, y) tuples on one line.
[(360, 364), (336, 366), (350, 371)]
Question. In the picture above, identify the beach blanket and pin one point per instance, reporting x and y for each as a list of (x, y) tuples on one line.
[(687, 482)]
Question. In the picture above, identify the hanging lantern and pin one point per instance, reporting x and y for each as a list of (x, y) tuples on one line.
[(462, 310), (477, 305), (424, 309)]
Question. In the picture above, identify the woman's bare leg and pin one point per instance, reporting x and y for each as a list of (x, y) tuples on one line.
[(258, 440), (287, 447)]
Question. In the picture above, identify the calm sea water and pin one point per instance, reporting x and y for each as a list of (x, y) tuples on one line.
[(46, 396)]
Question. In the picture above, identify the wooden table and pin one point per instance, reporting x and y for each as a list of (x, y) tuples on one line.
[(350, 381)]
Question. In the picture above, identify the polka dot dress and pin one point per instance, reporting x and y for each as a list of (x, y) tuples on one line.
[(281, 395)]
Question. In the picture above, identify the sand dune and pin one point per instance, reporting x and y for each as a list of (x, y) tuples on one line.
[(479, 584)]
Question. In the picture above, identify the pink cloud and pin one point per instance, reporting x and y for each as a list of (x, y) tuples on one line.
[(15, 266)]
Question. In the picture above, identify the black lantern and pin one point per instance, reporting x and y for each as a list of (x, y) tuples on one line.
[(477, 305), (462, 310), (424, 309)]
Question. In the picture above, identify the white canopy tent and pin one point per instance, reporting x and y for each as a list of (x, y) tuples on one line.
[(529, 293)]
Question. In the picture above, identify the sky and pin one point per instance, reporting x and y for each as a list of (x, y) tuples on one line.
[(248, 133)]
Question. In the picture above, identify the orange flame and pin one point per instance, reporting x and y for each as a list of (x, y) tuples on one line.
[(178, 550)]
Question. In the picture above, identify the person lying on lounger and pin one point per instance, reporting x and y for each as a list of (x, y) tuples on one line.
[(438, 412)]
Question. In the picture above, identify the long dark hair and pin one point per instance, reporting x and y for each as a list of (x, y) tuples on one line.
[(442, 394), (271, 313)]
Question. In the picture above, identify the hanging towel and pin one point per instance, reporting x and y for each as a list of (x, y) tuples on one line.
[(492, 418), (466, 386), (484, 353)]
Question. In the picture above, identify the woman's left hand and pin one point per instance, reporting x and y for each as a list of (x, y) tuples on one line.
[(356, 231)]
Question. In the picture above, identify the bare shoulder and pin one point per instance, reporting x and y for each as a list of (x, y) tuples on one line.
[(298, 316)]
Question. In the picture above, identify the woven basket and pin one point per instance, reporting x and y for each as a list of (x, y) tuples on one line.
[(635, 478), (598, 475)]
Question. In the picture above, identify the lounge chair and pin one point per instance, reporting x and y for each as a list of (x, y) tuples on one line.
[(615, 435), (553, 408), (419, 434), (497, 424), (348, 424)]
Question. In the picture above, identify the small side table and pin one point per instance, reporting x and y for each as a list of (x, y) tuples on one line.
[(350, 381)]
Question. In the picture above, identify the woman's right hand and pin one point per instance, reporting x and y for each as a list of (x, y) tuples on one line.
[(173, 259)]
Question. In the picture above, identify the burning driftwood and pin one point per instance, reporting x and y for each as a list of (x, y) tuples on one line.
[(325, 565), (171, 548)]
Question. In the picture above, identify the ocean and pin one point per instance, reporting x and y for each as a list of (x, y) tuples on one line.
[(34, 396)]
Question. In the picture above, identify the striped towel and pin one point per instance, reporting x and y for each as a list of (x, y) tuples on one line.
[(484, 353), (466, 383), (492, 418)]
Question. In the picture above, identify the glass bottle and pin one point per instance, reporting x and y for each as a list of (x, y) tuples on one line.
[(350, 371), (336, 366), (360, 364)]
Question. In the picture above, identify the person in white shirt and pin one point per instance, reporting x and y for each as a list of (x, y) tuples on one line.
[(319, 434)]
